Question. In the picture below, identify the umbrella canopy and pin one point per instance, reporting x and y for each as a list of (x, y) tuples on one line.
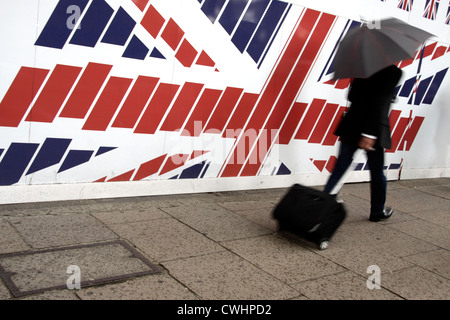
[(364, 51)]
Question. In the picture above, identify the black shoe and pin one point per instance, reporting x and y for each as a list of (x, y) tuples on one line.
[(387, 213)]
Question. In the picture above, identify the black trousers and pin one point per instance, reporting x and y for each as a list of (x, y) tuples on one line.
[(377, 178)]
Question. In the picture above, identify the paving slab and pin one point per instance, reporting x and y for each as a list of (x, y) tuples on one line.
[(261, 216), (224, 275), (216, 222), (360, 258), (166, 239), (155, 287), (416, 283), (437, 261), (283, 259), (247, 205), (53, 295), (440, 217), (10, 241), (129, 215), (4, 292), (380, 237), (426, 231), (43, 270), (439, 190), (61, 230), (343, 286), (412, 200), (418, 183)]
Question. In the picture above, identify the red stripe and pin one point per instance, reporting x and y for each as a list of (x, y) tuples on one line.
[(284, 68), (149, 168), (275, 84), (86, 90), (204, 60), (323, 123), (197, 153), (331, 164), (295, 84), (123, 177), (186, 54), (429, 50), (411, 134), (174, 162), (320, 164), (406, 63), (152, 21), (157, 108), (440, 51), (141, 4), (20, 94), (342, 83), (172, 34), (393, 118), (107, 104), (135, 102), (54, 93), (200, 115), (241, 113), (398, 133), (288, 129), (182, 106), (330, 137), (316, 107), (223, 110)]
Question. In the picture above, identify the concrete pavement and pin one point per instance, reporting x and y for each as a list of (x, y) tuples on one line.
[(225, 245)]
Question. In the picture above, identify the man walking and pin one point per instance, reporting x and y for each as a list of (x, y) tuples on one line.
[(366, 126)]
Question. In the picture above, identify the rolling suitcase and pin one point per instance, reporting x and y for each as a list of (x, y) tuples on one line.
[(312, 214)]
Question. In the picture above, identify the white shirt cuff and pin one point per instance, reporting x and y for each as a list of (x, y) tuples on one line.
[(369, 136)]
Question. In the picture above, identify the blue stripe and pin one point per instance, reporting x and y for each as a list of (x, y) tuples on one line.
[(103, 150), (407, 87), (248, 24), (435, 85), (75, 158), (212, 8), (120, 28), (15, 162), (192, 172), (56, 33), (266, 29), (421, 89), (136, 49), (283, 170), (204, 170), (394, 166), (231, 14), (50, 154), (93, 24)]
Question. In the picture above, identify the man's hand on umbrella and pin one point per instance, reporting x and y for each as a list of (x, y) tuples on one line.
[(366, 143)]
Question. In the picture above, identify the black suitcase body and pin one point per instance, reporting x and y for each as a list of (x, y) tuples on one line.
[(309, 213)]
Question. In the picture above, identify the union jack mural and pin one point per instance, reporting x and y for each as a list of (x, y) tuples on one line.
[(405, 4), (144, 95), (447, 19), (431, 9)]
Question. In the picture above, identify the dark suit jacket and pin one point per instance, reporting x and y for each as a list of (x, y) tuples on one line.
[(369, 110)]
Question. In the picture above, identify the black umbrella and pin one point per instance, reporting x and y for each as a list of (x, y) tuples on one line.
[(364, 51)]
